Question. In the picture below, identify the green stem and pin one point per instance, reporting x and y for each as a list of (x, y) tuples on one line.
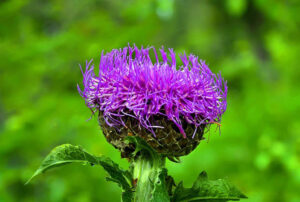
[(146, 171)]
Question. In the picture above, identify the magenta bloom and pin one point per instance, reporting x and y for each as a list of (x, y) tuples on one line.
[(129, 83)]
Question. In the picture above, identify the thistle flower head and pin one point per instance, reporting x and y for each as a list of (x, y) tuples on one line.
[(131, 84)]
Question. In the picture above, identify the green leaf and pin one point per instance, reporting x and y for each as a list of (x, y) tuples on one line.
[(149, 171), (67, 153), (160, 192), (141, 146), (204, 189), (170, 183)]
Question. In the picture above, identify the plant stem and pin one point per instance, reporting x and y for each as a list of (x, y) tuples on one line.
[(146, 170)]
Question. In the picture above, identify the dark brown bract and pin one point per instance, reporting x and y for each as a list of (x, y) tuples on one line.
[(168, 140)]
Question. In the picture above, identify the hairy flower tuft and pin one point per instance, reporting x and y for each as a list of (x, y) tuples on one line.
[(129, 83)]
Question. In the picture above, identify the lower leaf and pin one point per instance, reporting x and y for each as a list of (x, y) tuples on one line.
[(204, 189), (68, 153)]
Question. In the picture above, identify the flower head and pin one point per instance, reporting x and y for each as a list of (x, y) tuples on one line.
[(131, 84)]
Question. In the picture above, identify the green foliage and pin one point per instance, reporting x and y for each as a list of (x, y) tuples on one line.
[(207, 190), (67, 153), (160, 187), (255, 44), (149, 171), (142, 146)]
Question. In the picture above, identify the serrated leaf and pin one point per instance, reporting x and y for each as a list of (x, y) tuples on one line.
[(183, 194), (68, 153), (170, 183), (204, 189), (159, 192)]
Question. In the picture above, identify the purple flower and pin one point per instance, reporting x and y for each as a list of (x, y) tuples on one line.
[(129, 83)]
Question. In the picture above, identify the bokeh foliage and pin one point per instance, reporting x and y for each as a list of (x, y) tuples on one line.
[(255, 44)]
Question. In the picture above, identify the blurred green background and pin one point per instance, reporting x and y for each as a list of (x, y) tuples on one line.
[(255, 44)]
